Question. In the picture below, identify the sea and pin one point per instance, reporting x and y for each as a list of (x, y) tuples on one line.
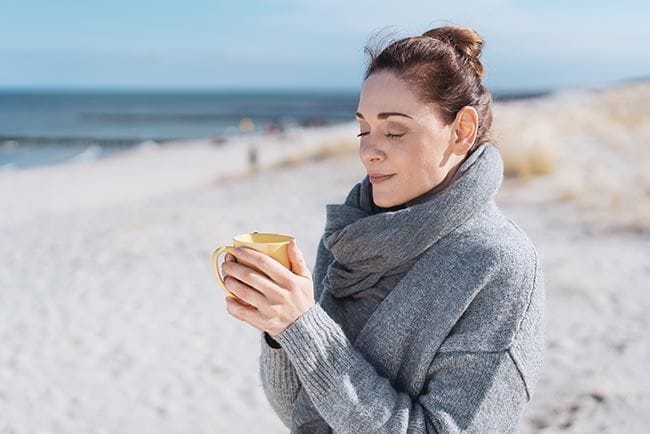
[(44, 127)]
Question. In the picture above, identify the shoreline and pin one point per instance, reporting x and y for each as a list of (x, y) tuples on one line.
[(149, 171), (87, 149)]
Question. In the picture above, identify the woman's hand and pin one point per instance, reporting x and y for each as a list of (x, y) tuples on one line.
[(270, 303)]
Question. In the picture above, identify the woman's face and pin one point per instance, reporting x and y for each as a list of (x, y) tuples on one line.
[(402, 137)]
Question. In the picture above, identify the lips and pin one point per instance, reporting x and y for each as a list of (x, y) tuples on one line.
[(375, 179)]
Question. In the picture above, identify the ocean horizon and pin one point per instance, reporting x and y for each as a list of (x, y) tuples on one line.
[(51, 126)]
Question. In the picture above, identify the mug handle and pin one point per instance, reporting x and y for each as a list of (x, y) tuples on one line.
[(215, 266)]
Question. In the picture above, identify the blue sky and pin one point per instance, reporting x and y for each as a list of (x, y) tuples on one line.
[(308, 44)]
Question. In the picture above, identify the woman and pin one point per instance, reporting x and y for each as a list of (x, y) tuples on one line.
[(425, 311)]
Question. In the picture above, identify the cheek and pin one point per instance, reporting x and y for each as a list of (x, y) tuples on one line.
[(421, 164), (417, 158)]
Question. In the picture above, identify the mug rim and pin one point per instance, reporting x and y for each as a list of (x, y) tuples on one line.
[(289, 237)]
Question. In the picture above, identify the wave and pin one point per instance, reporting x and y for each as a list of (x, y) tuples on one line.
[(91, 153), (13, 141), (230, 118)]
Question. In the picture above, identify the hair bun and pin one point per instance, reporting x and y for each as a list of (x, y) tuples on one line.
[(467, 42)]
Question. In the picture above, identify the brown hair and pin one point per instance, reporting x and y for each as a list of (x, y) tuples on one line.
[(443, 65)]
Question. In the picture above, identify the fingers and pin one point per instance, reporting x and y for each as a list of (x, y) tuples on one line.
[(252, 278), (229, 258), (298, 264), (245, 294), (241, 311), (267, 265)]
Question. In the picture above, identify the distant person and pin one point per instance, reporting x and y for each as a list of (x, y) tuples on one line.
[(424, 312), (247, 126)]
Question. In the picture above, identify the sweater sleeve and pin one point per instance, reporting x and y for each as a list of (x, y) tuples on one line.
[(464, 392), (279, 380)]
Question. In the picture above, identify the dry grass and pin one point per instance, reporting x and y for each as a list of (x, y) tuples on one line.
[(527, 140), (593, 147), (531, 134), (337, 147), (528, 149)]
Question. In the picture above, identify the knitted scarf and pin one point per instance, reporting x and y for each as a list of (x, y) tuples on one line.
[(369, 242)]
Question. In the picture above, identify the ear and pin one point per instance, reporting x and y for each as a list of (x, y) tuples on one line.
[(464, 130)]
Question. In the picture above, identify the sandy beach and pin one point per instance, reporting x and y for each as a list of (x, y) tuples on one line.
[(112, 321)]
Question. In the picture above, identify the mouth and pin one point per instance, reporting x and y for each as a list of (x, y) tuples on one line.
[(379, 179)]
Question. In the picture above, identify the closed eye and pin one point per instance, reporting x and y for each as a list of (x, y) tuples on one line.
[(390, 136)]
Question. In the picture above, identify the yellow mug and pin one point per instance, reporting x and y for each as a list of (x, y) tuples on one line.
[(274, 245)]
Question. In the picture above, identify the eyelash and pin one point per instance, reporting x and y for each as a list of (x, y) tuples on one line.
[(390, 136)]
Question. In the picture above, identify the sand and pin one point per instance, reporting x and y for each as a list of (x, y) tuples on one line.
[(112, 321)]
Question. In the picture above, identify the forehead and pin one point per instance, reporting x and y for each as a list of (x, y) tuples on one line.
[(385, 92)]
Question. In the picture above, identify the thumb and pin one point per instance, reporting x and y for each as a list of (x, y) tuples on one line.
[(298, 264)]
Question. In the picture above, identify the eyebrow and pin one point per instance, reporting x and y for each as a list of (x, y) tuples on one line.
[(384, 115)]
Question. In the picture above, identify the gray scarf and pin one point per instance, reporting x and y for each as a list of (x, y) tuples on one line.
[(369, 242)]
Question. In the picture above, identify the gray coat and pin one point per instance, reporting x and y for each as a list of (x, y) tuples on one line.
[(454, 342)]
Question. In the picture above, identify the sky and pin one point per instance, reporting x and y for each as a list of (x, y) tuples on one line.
[(302, 44)]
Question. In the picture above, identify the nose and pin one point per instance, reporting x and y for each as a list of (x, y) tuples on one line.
[(370, 153)]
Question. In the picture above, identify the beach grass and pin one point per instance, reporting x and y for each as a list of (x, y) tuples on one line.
[(592, 148)]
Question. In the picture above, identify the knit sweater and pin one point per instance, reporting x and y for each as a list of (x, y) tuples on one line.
[(452, 343)]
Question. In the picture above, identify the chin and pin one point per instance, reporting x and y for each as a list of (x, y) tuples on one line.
[(385, 202)]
